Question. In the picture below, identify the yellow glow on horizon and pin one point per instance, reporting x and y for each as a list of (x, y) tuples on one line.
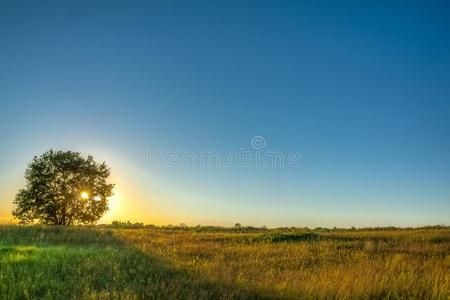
[(126, 205), (84, 195), (113, 204), (138, 195), (115, 208)]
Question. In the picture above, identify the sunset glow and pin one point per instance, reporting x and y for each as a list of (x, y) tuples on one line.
[(224, 149), (300, 114)]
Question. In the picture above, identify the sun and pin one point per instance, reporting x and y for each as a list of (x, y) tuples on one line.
[(84, 195)]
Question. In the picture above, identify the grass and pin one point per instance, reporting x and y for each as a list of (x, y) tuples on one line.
[(40, 262)]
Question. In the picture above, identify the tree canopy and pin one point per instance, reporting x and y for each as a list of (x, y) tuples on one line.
[(63, 187)]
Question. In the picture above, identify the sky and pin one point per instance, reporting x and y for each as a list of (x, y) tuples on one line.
[(358, 92)]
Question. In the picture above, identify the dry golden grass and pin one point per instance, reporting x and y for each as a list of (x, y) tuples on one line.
[(105, 262)]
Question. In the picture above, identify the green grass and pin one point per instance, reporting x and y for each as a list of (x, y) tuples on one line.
[(40, 262)]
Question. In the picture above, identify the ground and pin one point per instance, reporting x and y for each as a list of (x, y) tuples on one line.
[(105, 262)]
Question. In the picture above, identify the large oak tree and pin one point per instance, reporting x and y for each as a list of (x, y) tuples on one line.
[(63, 188)]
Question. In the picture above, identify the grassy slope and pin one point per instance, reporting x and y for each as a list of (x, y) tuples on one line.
[(56, 262)]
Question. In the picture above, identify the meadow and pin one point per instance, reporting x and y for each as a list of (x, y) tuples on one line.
[(116, 262)]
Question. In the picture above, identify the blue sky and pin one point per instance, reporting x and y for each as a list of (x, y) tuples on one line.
[(361, 90)]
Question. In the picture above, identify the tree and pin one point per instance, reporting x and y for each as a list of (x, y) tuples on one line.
[(63, 188)]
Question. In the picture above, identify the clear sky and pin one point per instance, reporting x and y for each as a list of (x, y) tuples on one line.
[(360, 88)]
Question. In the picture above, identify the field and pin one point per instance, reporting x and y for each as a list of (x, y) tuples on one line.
[(104, 262)]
